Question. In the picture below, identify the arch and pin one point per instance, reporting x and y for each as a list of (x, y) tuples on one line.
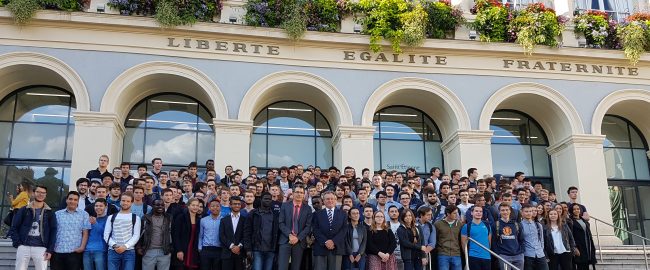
[(436, 100), (547, 106), (20, 69), (280, 86), (143, 80), (632, 104)]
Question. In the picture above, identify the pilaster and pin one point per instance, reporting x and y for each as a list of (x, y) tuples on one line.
[(468, 149), (232, 139), (353, 146)]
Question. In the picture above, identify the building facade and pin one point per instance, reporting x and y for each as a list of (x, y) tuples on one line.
[(74, 86)]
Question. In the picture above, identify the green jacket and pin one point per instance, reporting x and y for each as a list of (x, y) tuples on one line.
[(448, 237)]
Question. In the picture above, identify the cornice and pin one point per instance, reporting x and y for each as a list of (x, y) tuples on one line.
[(147, 25), (467, 137), (232, 126), (577, 140), (99, 119), (353, 132)]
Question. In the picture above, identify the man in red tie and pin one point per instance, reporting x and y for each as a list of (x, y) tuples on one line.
[(295, 226)]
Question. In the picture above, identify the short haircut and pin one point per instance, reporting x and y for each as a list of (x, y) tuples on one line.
[(114, 186), (154, 160), (517, 174), (167, 190), (568, 191), (128, 194), (40, 186), (125, 164), (72, 193), (470, 171), (234, 198), (102, 201), (82, 180), (450, 209), (192, 164), (138, 187)]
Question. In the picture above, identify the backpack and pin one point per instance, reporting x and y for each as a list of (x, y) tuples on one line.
[(469, 231), (134, 217)]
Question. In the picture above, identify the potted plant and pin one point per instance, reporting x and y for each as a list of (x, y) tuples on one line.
[(594, 26), (634, 35), (443, 19), (394, 20), (536, 25)]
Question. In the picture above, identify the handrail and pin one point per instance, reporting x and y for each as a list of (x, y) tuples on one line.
[(488, 250), (600, 250), (619, 228)]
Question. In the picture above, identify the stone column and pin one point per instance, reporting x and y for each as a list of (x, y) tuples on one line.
[(579, 161), (353, 146), (95, 134), (232, 139), (468, 149)]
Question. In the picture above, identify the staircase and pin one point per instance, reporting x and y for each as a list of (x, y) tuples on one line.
[(622, 258), (8, 256)]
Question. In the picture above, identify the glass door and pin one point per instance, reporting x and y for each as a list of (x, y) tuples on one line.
[(629, 212)]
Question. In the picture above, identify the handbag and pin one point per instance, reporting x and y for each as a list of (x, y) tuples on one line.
[(8, 218)]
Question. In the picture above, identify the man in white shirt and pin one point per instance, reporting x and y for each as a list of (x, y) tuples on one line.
[(122, 232)]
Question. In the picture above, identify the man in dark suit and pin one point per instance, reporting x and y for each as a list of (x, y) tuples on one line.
[(329, 230), (295, 226), (231, 235)]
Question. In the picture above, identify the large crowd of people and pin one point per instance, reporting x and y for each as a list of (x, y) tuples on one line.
[(299, 218)]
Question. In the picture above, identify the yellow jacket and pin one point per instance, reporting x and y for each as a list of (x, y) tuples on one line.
[(21, 200)]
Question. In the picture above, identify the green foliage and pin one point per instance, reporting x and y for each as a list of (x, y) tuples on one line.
[(594, 26), (536, 25), (492, 20), (442, 18), (167, 14), (414, 23), (395, 20), (296, 24), (322, 15), (23, 10), (66, 5), (267, 13), (635, 38)]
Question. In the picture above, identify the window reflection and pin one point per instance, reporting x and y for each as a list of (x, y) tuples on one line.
[(296, 133), (406, 138), (518, 144), (36, 123), (625, 150), (173, 127)]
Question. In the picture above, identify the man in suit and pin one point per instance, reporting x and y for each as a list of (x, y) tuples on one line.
[(329, 230), (295, 227), (231, 235)]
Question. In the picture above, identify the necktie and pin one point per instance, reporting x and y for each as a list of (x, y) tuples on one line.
[(296, 211), (330, 216)]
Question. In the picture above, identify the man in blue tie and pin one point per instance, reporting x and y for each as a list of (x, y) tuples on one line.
[(329, 230)]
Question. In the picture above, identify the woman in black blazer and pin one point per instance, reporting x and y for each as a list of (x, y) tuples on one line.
[(185, 236), (355, 255), (586, 254), (410, 241)]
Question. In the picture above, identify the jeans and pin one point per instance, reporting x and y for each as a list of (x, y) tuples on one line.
[(348, 265), (210, 258), (531, 263), (263, 260), (124, 261), (449, 262), (66, 261), (24, 253), (94, 260), (155, 257), (517, 260), (479, 264)]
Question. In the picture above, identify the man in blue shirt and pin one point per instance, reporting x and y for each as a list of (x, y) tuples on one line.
[(95, 253), (209, 244), (534, 258), (428, 233), (71, 235), (479, 258)]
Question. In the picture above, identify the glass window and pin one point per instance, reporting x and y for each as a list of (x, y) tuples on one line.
[(625, 150), (289, 133), (175, 128), (616, 9), (36, 124), (36, 136), (519, 144), (406, 138)]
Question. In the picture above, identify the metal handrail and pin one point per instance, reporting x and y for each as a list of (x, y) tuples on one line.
[(600, 250), (506, 263)]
